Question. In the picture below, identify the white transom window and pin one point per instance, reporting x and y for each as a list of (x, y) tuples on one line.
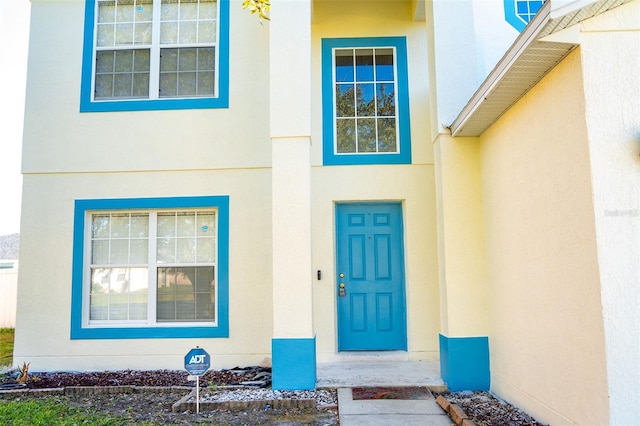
[(153, 268), (154, 49)]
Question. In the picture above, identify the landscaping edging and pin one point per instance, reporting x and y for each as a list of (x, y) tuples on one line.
[(457, 414)]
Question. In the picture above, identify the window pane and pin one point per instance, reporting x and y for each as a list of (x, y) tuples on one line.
[(139, 251), (206, 58), (100, 252), (386, 99), (141, 61), (345, 100), (188, 9), (166, 224), (124, 61), (138, 307), (187, 32), (364, 65), (206, 83), (168, 84), (367, 135), (166, 250), (206, 224), (143, 33), (168, 33), (106, 11), (387, 135), (106, 33), (186, 250), (169, 10), (206, 250), (346, 135), (207, 32), (187, 59), (124, 11), (98, 307), (119, 253), (139, 225), (186, 83), (119, 225), (186, 294), (365, 100), (124, 34), (186, 224), (208, 9), (122, 73), (118, 294), (344, 65), (100, 226), (384, 65)]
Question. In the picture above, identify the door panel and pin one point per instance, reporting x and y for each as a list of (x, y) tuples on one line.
[(370, 261)]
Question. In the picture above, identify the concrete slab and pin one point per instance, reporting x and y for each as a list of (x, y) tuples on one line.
[(393, 420), (380, 373), (387, 412)]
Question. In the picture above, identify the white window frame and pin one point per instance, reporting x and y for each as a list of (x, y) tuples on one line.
[(355, 105), (154, 63), (152, 266)]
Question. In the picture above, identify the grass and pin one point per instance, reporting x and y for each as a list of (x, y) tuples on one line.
[(51, 411), (6, 346)]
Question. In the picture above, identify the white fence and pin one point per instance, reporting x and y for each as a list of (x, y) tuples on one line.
[(8, 296)]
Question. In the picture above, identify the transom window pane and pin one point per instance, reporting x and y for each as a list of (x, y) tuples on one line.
[(365, 101), (181, 53)]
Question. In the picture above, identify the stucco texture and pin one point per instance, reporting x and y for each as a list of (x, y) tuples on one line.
[(547, 336)]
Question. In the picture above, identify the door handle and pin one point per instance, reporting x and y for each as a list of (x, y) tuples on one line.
[(342, 292)]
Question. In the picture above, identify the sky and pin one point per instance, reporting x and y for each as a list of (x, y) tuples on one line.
[(14, 31)]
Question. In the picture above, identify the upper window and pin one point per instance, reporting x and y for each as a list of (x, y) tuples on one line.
[(520, 12), (365, 101), (150, 268), (155, 54)]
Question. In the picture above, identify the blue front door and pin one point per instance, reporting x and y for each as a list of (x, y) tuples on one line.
[(370, 277)]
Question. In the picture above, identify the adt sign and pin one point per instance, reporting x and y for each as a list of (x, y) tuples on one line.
[(197, 361)]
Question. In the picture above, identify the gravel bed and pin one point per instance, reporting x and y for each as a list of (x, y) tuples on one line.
[(487, 410), (323, 397)]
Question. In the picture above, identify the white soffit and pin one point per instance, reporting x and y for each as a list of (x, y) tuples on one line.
[(528, 60)]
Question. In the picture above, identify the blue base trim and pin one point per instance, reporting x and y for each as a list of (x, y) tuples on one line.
[(464, 363), (293, 364)]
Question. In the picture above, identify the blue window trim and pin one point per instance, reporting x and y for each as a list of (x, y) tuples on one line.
[(78, 331), (329, 157), (221, 101), (513, 17)]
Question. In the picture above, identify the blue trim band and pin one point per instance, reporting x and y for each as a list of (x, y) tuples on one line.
[(78, 331), (222, 73), (464, 363), (293, 364), (329, 156)]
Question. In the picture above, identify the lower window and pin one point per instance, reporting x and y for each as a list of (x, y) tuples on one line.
[(150, 268)]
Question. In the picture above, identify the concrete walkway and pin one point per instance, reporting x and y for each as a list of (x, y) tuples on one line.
[(384, 412)]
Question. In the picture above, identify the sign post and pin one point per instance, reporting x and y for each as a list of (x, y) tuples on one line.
[(197, 361)]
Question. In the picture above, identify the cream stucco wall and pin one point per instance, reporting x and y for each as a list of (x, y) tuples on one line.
[(547, 336), (144, 154), (44, 292), (58, 138), (413, 184), (611, 60), (69, 156)]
